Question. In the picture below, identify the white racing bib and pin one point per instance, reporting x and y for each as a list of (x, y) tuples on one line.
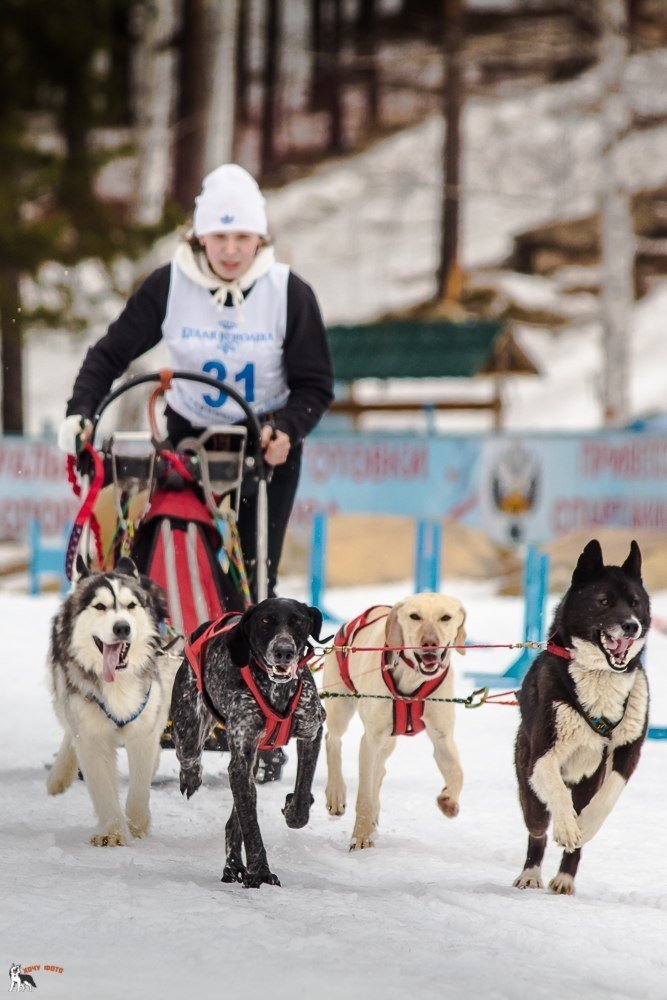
[(242, 347)]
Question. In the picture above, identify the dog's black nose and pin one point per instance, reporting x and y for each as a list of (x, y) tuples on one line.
[(631, 628), (121, 630), (282, 652)]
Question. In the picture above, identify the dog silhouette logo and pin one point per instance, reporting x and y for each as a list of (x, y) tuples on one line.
[(20, 980)]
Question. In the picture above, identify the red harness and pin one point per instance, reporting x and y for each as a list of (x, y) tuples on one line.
[(564, 654), (408, 709), (277, 728)]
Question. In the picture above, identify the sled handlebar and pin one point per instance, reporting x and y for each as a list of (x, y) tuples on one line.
[(253, 423)]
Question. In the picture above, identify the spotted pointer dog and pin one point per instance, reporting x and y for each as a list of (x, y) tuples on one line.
[(248, 672)]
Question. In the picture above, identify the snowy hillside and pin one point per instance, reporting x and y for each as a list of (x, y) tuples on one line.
[(429, 913), (364, 232)]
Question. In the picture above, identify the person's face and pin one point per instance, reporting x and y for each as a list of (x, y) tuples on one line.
[(230, 254)]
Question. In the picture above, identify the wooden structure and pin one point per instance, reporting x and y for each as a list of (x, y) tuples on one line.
[(412, 349)]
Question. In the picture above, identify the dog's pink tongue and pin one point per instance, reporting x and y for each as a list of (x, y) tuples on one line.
[(620, 646), (110, 658)]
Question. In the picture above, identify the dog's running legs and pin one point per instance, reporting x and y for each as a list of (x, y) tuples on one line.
[(244, 791), (536, 817), (370, 751), (385, 750), (64, 768), (447, 758), (190, 723), (234, 868), (563, 881), (339, 713), (141, 764), (297, 804), (97, 760)]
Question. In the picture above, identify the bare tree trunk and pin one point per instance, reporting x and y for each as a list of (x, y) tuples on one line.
[(333, 94), (617, 237), (242, 68), (366, 49), (318, 72), (449, 272), (12, 351), (155, 68), (190, 127), (268, 157), (223, 24)]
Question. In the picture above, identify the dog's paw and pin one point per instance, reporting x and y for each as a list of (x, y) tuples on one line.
[(447, 805), (528, 879), (111, 838), (336, 801), (294, 817), (139, 824), (361, 843), (566, 832), (56, 785), (190, 781), (262, 876), (563, 884), (233, 871)]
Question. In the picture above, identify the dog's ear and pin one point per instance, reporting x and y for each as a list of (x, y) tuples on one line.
[(238, 640), (633, 564), (127, 567), (315, 622), (461, 635), (156, 597), (81, 569), (393, 633), (589, 565)]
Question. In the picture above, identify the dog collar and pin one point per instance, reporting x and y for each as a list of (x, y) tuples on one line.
[(123, 722), (565, 654)]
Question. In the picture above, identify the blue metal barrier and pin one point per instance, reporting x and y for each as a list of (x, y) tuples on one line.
[(428, 541), (536, 579), (427, 556), (318, 558), (46, 557)]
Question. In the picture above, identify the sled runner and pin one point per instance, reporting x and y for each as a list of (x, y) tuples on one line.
[(174, 511)]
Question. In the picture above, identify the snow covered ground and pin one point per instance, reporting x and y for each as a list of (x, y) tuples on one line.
[(430, 912)]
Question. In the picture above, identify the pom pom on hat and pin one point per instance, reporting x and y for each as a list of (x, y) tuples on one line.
[(230, 202)]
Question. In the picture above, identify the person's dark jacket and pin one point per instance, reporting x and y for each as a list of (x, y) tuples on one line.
[(139, 328)]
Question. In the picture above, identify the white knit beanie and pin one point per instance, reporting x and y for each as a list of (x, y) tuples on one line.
[(230, 202)]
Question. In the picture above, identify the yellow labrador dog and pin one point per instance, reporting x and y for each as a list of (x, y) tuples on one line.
[(407, 655)]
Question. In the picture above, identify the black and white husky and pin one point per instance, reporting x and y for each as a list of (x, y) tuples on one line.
[(110, 688), (584, 711), (21, 980)]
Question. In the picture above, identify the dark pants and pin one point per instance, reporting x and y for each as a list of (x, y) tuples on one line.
[(281, 491)]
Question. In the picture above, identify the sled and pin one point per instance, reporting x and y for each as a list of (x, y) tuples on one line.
[(174, 512)]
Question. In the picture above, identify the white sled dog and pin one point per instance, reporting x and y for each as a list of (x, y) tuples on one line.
[(397, 688), (110, 688)]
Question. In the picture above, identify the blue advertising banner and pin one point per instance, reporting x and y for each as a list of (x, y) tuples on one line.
[(515, 487), (33, 483)]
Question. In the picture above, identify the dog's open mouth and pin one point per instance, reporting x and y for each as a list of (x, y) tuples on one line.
[(429, 661), (281, 672), (114, 657), (616, 648)]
